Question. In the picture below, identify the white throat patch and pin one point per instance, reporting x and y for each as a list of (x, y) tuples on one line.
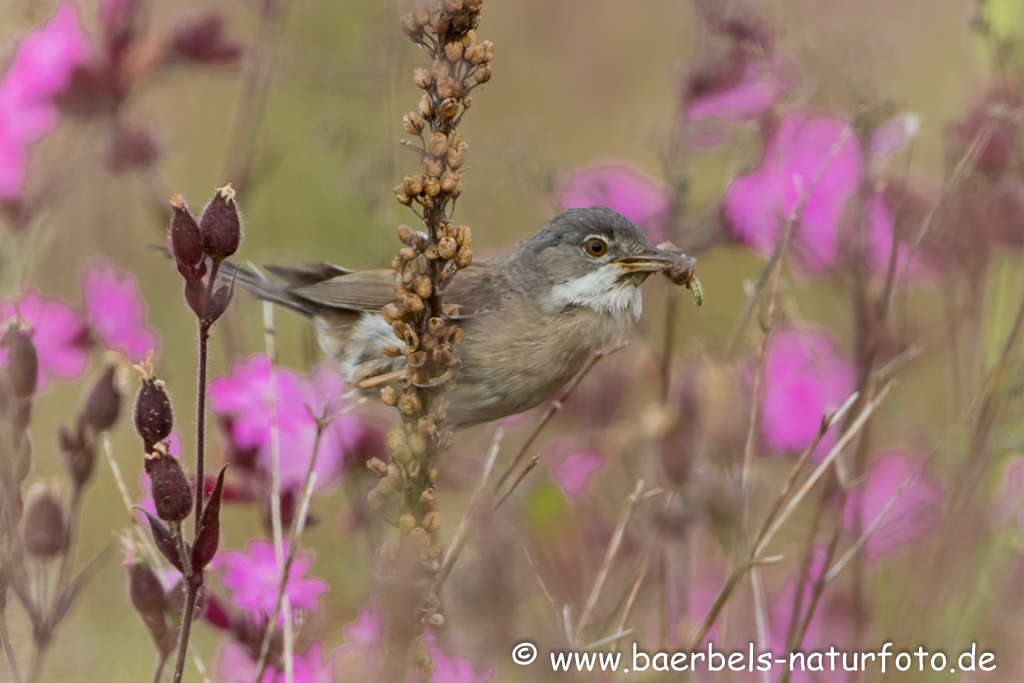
[(601, 291)]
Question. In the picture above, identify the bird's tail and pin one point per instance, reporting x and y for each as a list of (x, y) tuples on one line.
[(264, 289)]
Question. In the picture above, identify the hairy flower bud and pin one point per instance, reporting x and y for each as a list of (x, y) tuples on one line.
[(103, 406), (147, 594), (172, 494), (185, 240), (220, 226), (43, 531), (78, 453), (153, 416), (23, 362)]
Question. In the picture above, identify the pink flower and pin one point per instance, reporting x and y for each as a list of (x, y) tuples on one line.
[(453, 669), (116, 311), (59, 334), (363, 650), (244, 398), (235, 664), (41, 70), (573, 472), (910, 516), (805, 378), (623, 188), (739, 88), (253, 579)]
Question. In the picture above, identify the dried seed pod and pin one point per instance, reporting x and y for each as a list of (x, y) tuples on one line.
[(407, 253), (432, 521), (436, 327), (460, 23), (459, 141), (422, 78), (407, 522), (474, 5), (450, 181), (397, 264), (463, 236), (402, 196), (438, 145), (154, 418), (447, 87), (391, 351), (450, 310), (410, 403), (392, 313), (426, 107), (424, 288), (474, 53), (435, 551), (469, 38), (377, 467), (399, 328), (432, 474), (389, 396), (436, 621), (421, 14), (413, 304), (43, 531), (413, 123), (447, 248), (455, 336), (432, 187), (453, 51), (488, 50), (406, 234), (439, 21), (456, 157), (446, 440), (428, 344), (386, 486), (453, 6), (464, 257), (417, 444), (417, 359), (483, 74), (442, 356), (413, 185), (375, 500), (411, 28), (426, 425), (450, 108), (431, 252), (433, 166)]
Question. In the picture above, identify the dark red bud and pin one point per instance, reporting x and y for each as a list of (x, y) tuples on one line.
[(172, 494), (23, 363), (218, 303), (153, 416), (42, 527), (201, 39), (195, 296), (78, 453), (215, 613), (146, 592), (131, 148), (220, 227), (103, 406), (186, 243)]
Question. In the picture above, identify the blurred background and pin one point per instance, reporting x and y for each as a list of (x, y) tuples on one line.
[(299, 105)]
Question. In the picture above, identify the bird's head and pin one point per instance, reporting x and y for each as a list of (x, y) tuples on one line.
[(594, 257)]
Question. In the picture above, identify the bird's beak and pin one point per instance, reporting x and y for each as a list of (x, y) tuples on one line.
[(656, 260)]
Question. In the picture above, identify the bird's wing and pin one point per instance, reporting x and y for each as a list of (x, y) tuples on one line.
[(474, 290)]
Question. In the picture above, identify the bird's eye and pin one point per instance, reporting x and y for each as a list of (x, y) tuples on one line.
[(595, 246)]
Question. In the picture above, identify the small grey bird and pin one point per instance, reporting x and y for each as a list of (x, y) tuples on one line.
[(531, 319)]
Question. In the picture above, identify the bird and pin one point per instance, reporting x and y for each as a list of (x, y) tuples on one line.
[(531, 319)]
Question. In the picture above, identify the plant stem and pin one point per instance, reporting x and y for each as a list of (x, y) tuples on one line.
[(12, 663), (191, 592)]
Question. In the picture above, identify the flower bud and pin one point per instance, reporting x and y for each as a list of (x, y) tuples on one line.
[(23, 362), (220, 227), (422, 78), (413, 123), (78, 453), (483, 74), (185, 240), (103, 406), (153, 416), (450, 108), (172, 495), (42, 526), (146, 593)]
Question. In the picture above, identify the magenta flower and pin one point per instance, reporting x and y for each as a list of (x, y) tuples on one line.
[(243, 401), (622, 187), (253, 579), (740, 88), (453, 669), (575, 469), (234, 664), (41, 70), (363, 650), (116, 312), (805, 377), (909, 518), (59, 334)]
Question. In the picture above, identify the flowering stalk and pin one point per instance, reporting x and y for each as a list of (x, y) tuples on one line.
[(424, 267)]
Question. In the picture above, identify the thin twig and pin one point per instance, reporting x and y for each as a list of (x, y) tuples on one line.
[(519, 480), (461, 536), (609, 559)]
